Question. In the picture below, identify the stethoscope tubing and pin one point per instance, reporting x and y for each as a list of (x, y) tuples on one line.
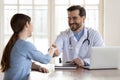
[(70, 42)]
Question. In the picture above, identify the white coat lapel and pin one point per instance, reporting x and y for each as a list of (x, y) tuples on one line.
[(70, 33), (72, 39), (73, 42), (78, 46)]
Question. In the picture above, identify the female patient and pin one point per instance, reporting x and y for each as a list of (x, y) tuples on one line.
[(18, 53)]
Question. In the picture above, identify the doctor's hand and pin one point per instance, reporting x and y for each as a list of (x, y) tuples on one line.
[(52, 51), (56, 53), (79, 62)]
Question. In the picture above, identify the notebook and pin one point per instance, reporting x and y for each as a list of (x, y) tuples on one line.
[(66, 66), (104, 58)]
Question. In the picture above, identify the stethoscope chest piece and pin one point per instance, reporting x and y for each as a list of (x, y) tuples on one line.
[(70, 47)]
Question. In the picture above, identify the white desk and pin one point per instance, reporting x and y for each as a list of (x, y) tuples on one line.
[(79, 74)]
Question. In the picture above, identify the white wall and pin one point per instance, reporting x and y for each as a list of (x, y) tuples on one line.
[(112, 22), (1, 27)]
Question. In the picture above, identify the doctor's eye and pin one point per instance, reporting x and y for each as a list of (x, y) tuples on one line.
[(73, 18)]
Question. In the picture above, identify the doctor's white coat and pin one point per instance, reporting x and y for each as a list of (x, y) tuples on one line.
[(79, 49)]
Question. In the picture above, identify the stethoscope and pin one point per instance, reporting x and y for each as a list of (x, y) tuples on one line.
[(70, 44)]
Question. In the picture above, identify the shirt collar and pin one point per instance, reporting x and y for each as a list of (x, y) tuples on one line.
[(78, 35)]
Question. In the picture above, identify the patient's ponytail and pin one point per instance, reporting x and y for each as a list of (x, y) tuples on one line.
[(18, 22)]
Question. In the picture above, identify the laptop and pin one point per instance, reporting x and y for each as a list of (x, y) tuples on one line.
[(103, 58)]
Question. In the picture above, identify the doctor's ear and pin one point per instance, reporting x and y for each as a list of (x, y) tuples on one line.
[(83, 17)]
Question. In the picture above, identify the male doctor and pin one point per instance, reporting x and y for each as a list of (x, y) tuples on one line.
[(75, 42)]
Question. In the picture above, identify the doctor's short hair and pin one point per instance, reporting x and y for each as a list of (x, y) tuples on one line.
[(82, 11)]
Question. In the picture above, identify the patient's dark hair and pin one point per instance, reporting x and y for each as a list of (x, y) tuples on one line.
[(18, 21)]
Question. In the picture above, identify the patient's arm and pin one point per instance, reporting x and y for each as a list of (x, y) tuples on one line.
[(38, 68)]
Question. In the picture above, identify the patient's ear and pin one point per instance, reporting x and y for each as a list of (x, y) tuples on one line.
[(27, 25)]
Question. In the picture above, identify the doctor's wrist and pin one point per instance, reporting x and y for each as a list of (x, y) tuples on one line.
[(85, 63)]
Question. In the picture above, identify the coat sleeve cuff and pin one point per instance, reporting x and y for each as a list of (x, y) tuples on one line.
[(86, 64)]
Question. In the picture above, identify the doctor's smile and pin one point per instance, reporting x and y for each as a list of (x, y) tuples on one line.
[(74, 26)]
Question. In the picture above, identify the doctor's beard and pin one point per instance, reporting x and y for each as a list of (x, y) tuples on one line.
[(75, 26)]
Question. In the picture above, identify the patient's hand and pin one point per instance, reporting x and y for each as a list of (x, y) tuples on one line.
[(43, 70), (38, 68)]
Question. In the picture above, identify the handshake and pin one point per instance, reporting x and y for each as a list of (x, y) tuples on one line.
[(53, 51)]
